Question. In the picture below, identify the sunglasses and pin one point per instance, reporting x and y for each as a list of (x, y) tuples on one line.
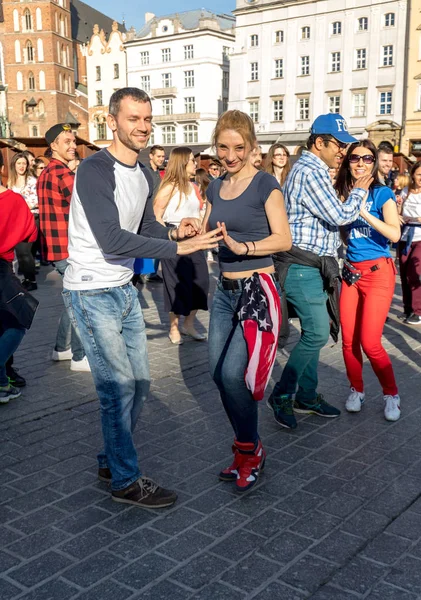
[(368, 159), (340, 145)]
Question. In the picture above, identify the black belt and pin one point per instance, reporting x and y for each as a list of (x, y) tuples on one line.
[(238, 284)]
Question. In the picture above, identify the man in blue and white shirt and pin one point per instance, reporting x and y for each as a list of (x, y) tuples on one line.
[(315, 214)]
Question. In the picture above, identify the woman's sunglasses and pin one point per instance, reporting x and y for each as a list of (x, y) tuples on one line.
[(368, 159)]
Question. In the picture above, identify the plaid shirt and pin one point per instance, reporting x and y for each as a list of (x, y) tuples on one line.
[(314, 210), (54, 189)]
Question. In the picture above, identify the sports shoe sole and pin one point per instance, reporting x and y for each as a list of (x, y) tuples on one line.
[(284, 425), (139, 505), (234, 477), (9, 397), (302, 411)]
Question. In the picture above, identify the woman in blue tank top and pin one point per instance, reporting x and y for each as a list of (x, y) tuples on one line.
[(368, 279), (245, 315)]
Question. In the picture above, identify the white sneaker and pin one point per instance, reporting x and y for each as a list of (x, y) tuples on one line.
[(354, 401), (64, 355), (80, 365), (392, 408)]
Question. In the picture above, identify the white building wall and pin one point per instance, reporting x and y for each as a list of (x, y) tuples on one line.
[(264, 20)]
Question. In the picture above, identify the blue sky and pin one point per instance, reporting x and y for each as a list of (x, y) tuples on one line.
[(134, 11)]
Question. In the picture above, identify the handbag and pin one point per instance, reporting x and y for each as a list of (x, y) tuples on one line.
[(349, 274), (15, 300)]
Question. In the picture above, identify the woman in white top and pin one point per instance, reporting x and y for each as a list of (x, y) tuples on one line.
[(278, 163), (410, 249), (186, 278), (22, 182)]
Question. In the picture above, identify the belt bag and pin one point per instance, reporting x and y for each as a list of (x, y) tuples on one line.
[(351, 275), (16, 301)]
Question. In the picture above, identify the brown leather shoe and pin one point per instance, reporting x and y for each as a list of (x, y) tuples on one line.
[(145, 493), (104, 474)]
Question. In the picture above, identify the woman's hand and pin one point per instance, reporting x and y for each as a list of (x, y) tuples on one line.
[(239, 248), (188, 228), (203, 241)]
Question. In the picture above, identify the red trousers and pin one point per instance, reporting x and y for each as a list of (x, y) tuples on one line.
[(410, 271), (364, 307)]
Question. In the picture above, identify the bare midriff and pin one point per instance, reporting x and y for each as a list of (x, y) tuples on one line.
[(245, 274)]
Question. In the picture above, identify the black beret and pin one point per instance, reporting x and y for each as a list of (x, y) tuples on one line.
[(55, 131)]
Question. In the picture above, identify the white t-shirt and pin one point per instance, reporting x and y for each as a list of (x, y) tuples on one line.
[(412, 208), (189, 207)]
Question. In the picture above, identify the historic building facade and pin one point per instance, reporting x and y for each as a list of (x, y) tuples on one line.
[(411, 138)]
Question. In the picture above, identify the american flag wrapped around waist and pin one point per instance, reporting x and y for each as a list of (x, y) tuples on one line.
[(259, 313)]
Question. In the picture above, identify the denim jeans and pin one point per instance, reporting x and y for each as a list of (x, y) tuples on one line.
[(112, 330), (67, 336), (228, 357), (10, 338), (304, 290)]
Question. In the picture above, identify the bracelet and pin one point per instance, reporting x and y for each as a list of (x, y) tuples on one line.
[(254, 247), (170, 234), (247, 248)]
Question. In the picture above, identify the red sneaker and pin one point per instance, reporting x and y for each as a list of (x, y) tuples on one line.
[(231, 472), (251, 462)]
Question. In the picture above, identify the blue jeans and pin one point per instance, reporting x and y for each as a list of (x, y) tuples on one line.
[(228, 357), (112, 330), (9, 342), (304, 290), (67, 337)]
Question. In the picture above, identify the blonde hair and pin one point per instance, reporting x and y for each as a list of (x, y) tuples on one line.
[(237, 121), (269, 162), (176, 173), (402, 181)]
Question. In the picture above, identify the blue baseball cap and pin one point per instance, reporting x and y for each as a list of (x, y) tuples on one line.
[(335, 125)]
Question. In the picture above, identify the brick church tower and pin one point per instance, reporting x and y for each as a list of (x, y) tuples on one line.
[(38, 59)]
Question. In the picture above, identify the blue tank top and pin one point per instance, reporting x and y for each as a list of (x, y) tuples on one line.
[(245, 219)]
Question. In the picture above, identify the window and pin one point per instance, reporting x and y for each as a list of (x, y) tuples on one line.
[(361, 56), (168, 134), (15, 20), (334, 104), (145, 83), (18, 57), (225, 79), (224, 104), (389, 20), (303, 109), (189, 105), (387, 56), (254, 71), (27, 20), (279, 37), (188, 79), (99, 97), (335, 65), (336, 28), (98, 73), (188, 52), (305, 33), (358, 104), (40, 50), (363, 24), (41, 83), (278, 110), (385, 103), (225, 50), (166, 80), (254, 40), (167, 106), (101, 130), (190, 134), (38, 19), (144, 58), (34, 131), (116, 70), (254, 111), (279, 68), (305, 65), (166, 54), (31, 81), (29, 52), (19, 80)]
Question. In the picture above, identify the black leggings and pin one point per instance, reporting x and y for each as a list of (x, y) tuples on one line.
[(25, 253)]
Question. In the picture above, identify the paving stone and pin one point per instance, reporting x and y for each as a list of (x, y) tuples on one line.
[(7, 536), (186, 545), (251, 573), (255, 503), (308, 573), (236, 545), (177, 521), (270, 523), (145, 570), (363, 486), (324, 486), (359, 575), (315, 524), (330, 593), (365, 523), (7, 561), (31, 465), (407, 575), (390, 503), (40, 568), (37, 520), (108, 590), (38, 542), (33, 482), (407, 525), (217, 591), (8, 590), (338, 547), (210, 501), (383, 591), (341, 504), (300, 503), (141, 542), (89, 542), (386, 549), (79, 500), (200, 570), (165, 590), (221, 522), (56, 589), (94, 568), (285, 547), (279, 591), (84, 519)]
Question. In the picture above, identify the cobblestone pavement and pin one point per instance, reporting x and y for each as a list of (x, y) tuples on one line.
[(336, 515)]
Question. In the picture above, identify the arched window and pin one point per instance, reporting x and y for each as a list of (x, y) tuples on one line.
[(18, 57), (40, 50), (62, 32), (56, 20), (41, 107), (63, 55), (27, 20), (58, 52), (34, 131), (24, 107), (65, 27), (168, 134), (1, 63), (60, 82), (66, 85), (38, 19), (19, 80), (70, 85), (41, 80), (101, 128), (190, 134), (15, 20), (29, 49), (31, 81), (67, 56)]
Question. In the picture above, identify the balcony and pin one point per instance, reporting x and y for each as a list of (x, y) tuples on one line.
[(165, 92), (173, 118)]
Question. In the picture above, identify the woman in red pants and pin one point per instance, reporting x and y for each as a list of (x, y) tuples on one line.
[(368, 279)]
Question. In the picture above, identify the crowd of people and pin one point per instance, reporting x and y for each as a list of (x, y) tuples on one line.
[(275, 226)]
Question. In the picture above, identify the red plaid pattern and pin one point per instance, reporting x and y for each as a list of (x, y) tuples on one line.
[(54, 189)]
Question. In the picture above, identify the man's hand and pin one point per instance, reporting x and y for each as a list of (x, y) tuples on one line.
[(364, 182), (189, 228), (204, 241)]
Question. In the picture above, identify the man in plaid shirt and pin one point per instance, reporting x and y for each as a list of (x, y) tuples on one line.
[(54, 189)]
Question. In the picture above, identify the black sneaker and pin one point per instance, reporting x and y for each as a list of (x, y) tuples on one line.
[(104, 474), (29, 286), (14, 378), (319, 407), (145, 493), (413, 320), (282, 409)]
